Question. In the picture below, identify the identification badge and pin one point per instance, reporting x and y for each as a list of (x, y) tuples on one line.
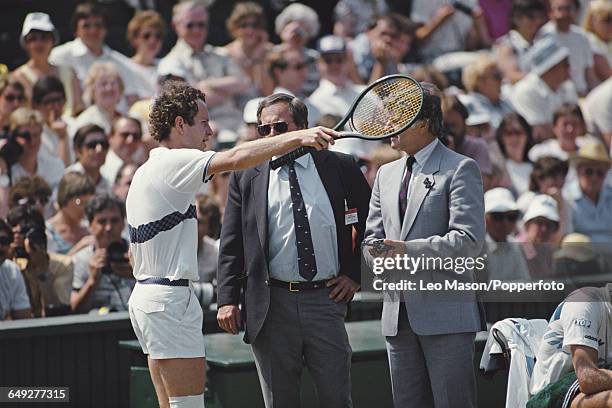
[(350, 216)]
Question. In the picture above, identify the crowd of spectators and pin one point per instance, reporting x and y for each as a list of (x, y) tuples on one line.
[(526, 92)]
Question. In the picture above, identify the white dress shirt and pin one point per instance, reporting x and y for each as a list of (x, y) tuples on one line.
[(420, 158), (283, 263)]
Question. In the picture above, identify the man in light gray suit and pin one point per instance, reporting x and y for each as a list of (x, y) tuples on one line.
[(429, 203)]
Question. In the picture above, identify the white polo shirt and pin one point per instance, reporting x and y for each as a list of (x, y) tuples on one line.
[(161, 213)]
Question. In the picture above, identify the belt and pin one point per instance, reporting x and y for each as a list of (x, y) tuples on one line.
[(164, 282), (297, 286)]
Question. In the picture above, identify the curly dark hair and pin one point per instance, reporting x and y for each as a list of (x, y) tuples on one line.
[(175, 99)]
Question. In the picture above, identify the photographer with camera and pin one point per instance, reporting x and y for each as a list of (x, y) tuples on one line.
[(102, 274), (48, 275), (14, 302)]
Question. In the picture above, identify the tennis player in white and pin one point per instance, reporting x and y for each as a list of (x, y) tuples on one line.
[(161, 213)]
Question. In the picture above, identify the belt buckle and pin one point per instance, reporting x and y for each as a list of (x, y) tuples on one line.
[(291, 287)]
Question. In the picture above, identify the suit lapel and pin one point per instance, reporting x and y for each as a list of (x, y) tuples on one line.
[(259, 190), (389, 191), (330, 177), (420, 187)]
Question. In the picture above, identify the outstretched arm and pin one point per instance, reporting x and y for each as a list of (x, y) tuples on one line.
[(254, 152)]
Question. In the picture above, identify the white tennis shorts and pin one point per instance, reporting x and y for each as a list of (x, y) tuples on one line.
[(167, 321)]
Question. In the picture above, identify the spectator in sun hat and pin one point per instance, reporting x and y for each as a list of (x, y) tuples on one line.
[(38, 36), (504, 259), (577, 257), (545, 88), (336, 91), (296, 25), (541, 222), (592, 202), (248, 130)]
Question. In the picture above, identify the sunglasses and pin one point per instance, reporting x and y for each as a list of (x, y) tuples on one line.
[(297, 67), (508, 216), (97, 26), (331, 59), (253, 25), (496, 75), (26, 135), (589, 172), (5, 240), (148, 35), (13, 98), (196, 24), (38, 37), (42, 201), (135, 135), (54, 100), (94, 143), (279, 127)]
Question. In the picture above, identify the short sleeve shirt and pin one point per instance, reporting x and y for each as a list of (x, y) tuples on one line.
[(161, 213), (13, 295), (583, 319)]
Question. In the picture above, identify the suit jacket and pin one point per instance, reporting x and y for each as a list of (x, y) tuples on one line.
[(444, 217), (243, 251)]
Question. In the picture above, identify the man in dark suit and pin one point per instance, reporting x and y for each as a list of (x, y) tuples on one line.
[(287, 239)]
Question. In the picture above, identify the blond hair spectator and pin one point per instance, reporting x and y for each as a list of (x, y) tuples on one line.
[(597, 24)]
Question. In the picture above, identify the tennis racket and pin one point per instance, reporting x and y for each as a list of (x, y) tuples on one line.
[(384, 109)]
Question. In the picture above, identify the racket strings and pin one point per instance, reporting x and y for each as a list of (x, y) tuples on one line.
[(387, 108)]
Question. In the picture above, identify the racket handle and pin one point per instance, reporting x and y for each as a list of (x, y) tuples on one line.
[(291, 156)]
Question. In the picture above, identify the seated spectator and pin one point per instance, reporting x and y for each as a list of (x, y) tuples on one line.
[(88, 48), (287, 68), (577, 260), (37, 38), (444, 29), (145, 33), (103, 90), (592, 204), (351, 17), (296, 25), (125, 143), (14, 301), (597, 26), (561, 27), (213, 73), (336, 92), (48, 275), (541, 221), (577, 341), (31, 190), (597, 110), (548, 177), (27, 125), (247, 25), (12, 97), (125, 174), (514, 140), (49, 98), (248, 131), (455, 115), (67, 230), (541, 92), (482, 79), (102, 273), (374, 51), (527, 17), (91, 148), (505, 260)]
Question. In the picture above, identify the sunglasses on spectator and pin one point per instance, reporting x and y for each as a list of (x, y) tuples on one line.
[(87, 26), (196, 24), (42, 201), (5, 240), (333, 58), (26, 135), (590, 171), (298, 67), (146, 36), (508, 216), (38, 37), (54, 100), (279, 127), (13, 98), (135, 135), (95, 143), (496, 75), (253, 24)]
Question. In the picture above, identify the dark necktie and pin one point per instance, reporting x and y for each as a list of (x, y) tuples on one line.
[(303, 240), (403, 195)]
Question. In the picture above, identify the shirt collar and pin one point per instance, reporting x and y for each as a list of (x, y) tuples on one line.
[(80, 49), (304, 161), (422, 155)]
